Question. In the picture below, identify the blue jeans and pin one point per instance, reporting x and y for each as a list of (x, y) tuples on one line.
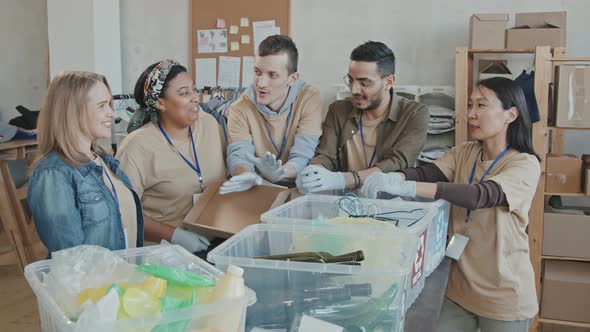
[(453, 318)]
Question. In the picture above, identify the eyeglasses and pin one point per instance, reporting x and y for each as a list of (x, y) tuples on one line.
[(363, 83)]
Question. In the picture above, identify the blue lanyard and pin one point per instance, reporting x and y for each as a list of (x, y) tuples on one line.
[(280, 152), (106, 172), (485, 173), (363, 141), (196, 167)]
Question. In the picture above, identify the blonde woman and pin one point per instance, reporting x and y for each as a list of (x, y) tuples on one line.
[(78, 194)]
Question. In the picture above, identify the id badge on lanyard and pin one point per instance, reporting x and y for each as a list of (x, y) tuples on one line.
[(459, 242)]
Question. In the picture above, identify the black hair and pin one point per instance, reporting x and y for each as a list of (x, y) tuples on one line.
[(373, 51), (279, 44), (138, 91), (520, 131)]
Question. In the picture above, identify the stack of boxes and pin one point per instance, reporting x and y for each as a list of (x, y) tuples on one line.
[(488, 31)]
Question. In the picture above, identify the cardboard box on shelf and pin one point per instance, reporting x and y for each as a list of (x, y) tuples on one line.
[(566, 291), (563, 328), (487, 31), (537, 29), (572, 92), (566, 235), (493, 68), (225, 215), (564, 174), (587, 181)]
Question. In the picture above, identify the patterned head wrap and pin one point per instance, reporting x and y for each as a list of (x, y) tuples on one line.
[(152, 90), (154, 83)]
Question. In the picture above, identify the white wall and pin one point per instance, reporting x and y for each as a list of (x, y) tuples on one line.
[(152, 30), (422, 33), (23, 65), (84, 35)]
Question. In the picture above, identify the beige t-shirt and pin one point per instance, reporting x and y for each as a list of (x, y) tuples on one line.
[(163, 180), (359, 155), (127, 206), (246, 123), (494, 277)]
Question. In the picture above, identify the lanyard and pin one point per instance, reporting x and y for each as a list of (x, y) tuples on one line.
[(106, 172), (484, 174), (196, 167), (363, 141), (280, 152)]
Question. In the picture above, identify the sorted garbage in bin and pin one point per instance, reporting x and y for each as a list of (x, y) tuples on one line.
[(319, 257), (92, 284)]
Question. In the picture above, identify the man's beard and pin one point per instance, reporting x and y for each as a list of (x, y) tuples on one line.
[(372, 106)]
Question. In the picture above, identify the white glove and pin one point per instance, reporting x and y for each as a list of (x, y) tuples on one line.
[(316, 178), (392, 183), (190, 241), (240, 182), (271, 168)]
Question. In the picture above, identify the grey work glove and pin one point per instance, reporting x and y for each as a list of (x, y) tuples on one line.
[(190, 241), (392, 183), (240, 182), (268, 166), (316, 178)]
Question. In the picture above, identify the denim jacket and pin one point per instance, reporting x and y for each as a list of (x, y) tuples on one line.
[(72, 205)]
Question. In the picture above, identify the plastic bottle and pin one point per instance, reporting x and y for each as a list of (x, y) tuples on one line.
[(230, 286)]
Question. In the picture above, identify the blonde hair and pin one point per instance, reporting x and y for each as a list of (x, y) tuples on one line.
[(64, 116)]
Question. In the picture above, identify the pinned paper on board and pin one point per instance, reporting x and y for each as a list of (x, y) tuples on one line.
[(245, 39), (262, 30), (234, 46), (212, 41), (233, 30), (247, 70), (220, 23), (229, 71), (205, 72), (244, 22)]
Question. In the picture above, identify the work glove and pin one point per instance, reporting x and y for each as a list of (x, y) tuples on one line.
[(392, 183), (268, 166), (240, 182), (316, 178), (190, 241)]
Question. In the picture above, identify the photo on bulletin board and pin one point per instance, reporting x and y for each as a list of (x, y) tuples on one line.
[(212, 41)]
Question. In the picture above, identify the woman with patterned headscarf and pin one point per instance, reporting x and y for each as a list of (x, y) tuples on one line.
[(177, 151)]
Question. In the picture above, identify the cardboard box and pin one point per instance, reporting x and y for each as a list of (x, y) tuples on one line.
[(566, 235), (493, 68), (225, 215), (564, 174), (537, 29), (487, 31), (566, 291), (572, 95), (587, 181), (563, 328)]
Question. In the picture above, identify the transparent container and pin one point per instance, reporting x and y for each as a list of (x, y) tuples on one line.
[(438, 231), (310, 209), (345, 295), (53, 318)]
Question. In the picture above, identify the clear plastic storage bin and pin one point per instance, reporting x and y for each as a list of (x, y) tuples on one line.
[(54, 319), (310, 209), (438, 230), (367, 297)]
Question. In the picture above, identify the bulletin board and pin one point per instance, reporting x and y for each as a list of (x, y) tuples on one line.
[(204, 15)]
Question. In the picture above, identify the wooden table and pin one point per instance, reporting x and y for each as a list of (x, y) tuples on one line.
[(12, 150)]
